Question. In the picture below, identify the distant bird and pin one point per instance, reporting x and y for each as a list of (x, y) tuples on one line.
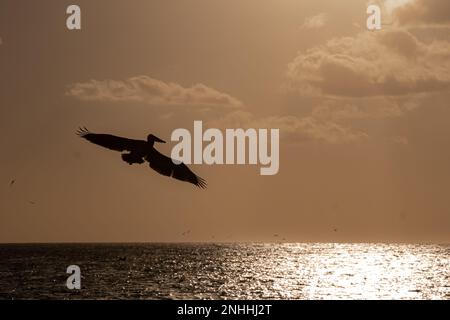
[(12, 182), (140, 151), (335, 230)]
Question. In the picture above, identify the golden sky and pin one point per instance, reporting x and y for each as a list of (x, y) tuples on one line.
[(364, 119)]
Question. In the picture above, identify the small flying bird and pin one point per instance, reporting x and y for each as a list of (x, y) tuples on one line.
[(140, 151), (12, 182)]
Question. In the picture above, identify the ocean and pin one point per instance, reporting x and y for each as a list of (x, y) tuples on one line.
[(226, 271)]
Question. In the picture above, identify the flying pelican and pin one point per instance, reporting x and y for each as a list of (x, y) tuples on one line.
[(140, 151)]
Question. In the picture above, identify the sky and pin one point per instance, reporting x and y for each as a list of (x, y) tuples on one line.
[(364, 119)]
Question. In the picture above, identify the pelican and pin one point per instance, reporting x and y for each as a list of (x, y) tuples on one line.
[(140, 151)]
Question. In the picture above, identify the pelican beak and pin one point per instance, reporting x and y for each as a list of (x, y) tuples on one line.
[(159, 140)]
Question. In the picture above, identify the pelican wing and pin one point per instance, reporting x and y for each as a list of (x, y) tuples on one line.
[(165, 166), (110, 141)]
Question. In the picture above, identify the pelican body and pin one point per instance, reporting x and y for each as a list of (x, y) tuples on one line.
[(139, 151)]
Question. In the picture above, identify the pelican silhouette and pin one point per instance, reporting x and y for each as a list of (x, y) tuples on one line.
[(140, 151)]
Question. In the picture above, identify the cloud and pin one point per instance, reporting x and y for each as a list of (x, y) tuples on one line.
[(400, 140), (374, 108), (155, 92), (315, 22), (423, 12), (151, 91), (391, 5), (298, 129), (389, 63), (362, 79)]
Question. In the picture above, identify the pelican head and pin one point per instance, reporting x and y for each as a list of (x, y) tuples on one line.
[(152, 139)]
